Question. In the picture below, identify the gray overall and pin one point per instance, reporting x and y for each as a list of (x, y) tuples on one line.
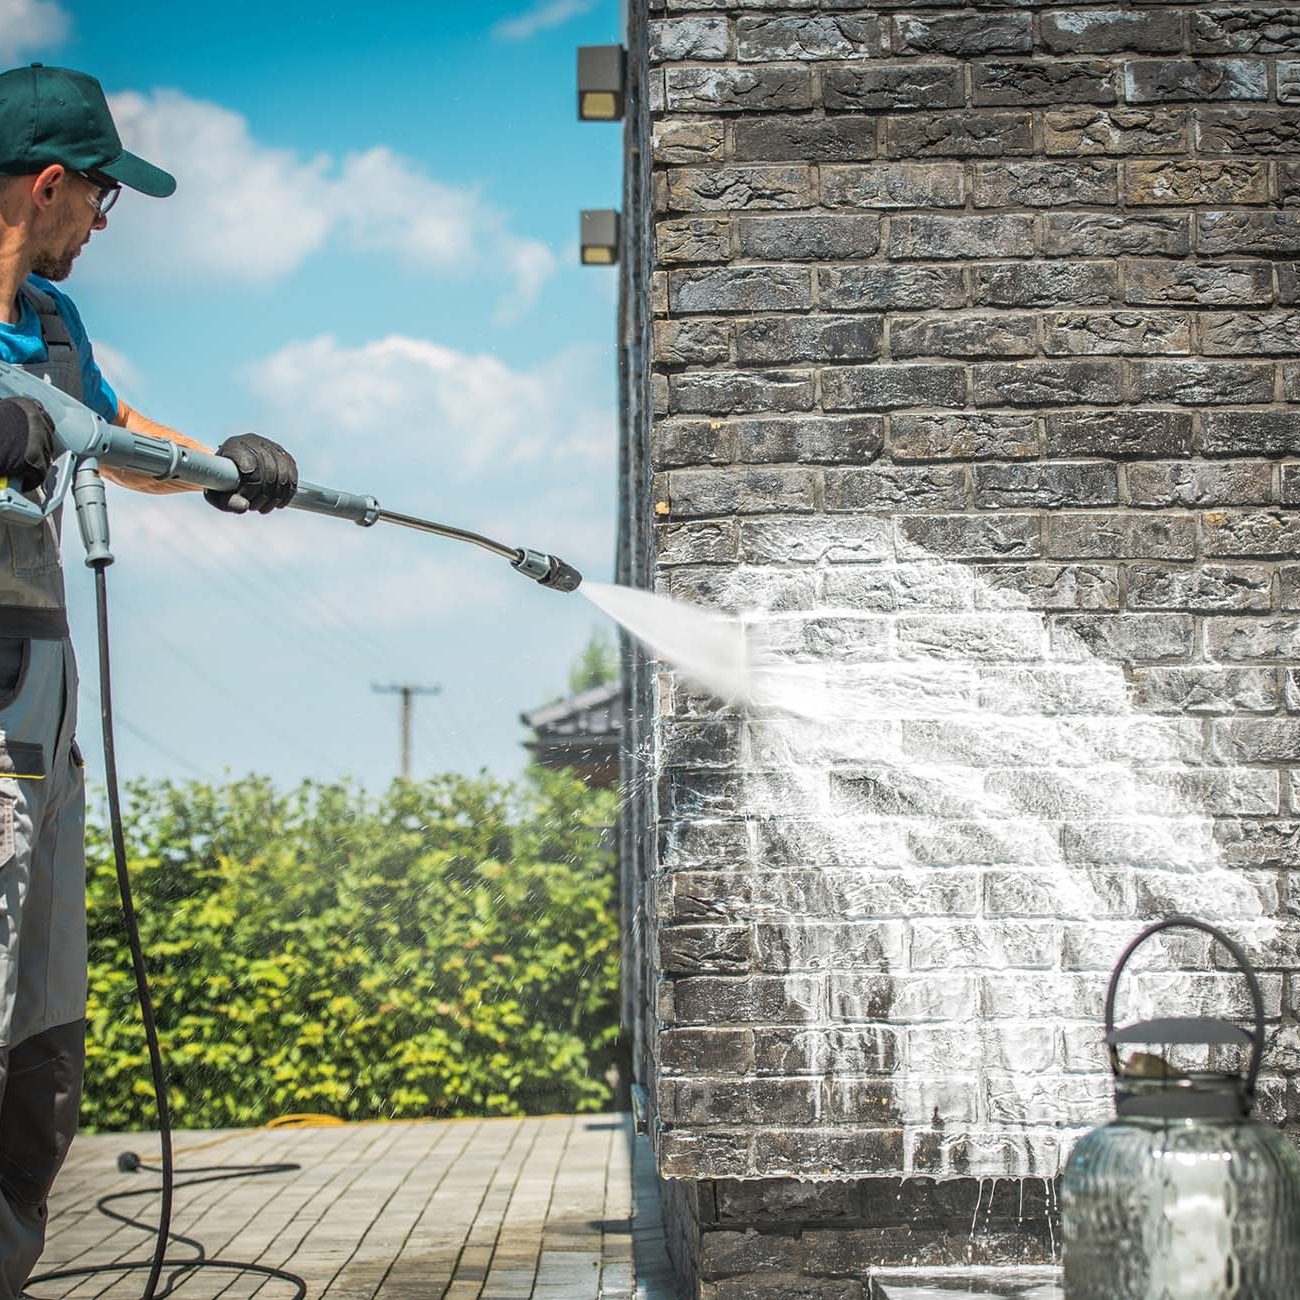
[(42, 865)]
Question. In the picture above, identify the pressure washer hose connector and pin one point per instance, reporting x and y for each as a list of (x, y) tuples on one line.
[(549, 570)]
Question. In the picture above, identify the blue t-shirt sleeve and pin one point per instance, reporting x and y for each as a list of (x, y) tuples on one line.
[(99, 394)]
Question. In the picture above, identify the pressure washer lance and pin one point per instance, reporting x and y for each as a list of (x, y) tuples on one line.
[(86, 441)]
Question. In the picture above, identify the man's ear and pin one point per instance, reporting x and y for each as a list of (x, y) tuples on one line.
[(47, 184)]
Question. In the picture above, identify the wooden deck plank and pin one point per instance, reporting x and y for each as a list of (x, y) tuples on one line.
[(497, 1209)]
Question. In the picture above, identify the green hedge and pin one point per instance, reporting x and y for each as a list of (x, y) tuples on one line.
[(447, 948)]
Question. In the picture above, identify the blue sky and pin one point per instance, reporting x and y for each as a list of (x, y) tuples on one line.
[(372, 258)]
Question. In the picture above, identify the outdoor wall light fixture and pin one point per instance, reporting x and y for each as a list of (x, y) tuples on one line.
[(599, 239), (600, 83)]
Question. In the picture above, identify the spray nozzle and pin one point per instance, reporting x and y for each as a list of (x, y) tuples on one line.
[(549, 570)]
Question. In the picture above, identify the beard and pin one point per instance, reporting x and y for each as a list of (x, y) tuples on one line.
[(56, 266)]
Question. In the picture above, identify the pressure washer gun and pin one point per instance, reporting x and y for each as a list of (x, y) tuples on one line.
[(86, 441)]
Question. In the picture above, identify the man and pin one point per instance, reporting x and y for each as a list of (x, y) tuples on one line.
[(62, 167)]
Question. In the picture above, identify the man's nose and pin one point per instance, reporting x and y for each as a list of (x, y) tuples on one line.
[(100, 222)]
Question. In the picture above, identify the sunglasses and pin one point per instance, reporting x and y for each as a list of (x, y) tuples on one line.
[(109, 192)]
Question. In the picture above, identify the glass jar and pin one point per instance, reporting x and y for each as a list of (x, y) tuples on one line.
[(1184, 1196)]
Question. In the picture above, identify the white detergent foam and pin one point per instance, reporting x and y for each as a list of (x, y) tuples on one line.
[(933, 728)]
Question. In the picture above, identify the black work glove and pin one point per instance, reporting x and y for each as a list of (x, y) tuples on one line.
[(268, 475), (26, 442)]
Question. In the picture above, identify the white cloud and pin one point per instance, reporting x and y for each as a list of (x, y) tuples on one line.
[(29, 26), (251, 213), (546, 14), (119, 370), (433, 407)]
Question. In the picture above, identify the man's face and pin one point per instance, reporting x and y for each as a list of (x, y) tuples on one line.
[(66, 227)]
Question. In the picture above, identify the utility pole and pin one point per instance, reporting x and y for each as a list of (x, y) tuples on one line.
[(408, 691)]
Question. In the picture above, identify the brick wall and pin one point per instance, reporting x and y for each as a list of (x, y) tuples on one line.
[(1008, 288)]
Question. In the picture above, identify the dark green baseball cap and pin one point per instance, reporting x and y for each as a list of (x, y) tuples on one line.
[(55, 115)]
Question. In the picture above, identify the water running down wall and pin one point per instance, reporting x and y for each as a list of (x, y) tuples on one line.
[(972, 809)]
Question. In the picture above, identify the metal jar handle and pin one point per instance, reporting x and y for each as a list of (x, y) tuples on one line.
[(1243, 962)]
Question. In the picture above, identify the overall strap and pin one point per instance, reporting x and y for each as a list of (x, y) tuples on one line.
[(62, 368)]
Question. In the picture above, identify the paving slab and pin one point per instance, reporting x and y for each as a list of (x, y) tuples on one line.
[(545, 1208)]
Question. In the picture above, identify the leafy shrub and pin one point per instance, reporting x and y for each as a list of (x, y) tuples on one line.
[(447, 948)]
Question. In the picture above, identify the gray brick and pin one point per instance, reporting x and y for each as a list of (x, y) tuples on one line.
[(1110, 31), (764, 40), (963, 336), (715, 999), (1232, 483), (1250, 333), (855, 541), (1251, 533), (674, 39), (1290, 485), (706, 1051), (989, 638), (1166, 182), (991, 537), (1044, 184), (1256, 740), (1205, 690), (1248, 130), (1117, 132), (1091, 234), (1288, 81), (854, 945), (1127, 638), (735, 591), (737, 90), (740, 288), (1201, 383), (1208, 588), (894, 185), (687, 141), (880, 288), (1202, 284), (694, 239), (817, 238), (891, 87), (804, 140), (1119, 433), (1121, 537), (1116, 333), (850, 440), (891, 487), (1032, 893), (1049, 486), (879, 388), (1046, 284), (692, 442), (1240, 640), (1238, 29), (755, 491), (963, 35), (791, 1051), (959, 135), (1046, 383), (722, 189), (927, 236), (1161, 80), (738, 392), (1049, 586), (968, 436), (705, 950), (691, 342), (725, 1253), (808, 338), (712, 542), (1265, 433), (1060, 81), (1248, 232)]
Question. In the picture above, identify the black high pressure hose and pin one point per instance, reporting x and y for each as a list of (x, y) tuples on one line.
[(216, 1173)]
